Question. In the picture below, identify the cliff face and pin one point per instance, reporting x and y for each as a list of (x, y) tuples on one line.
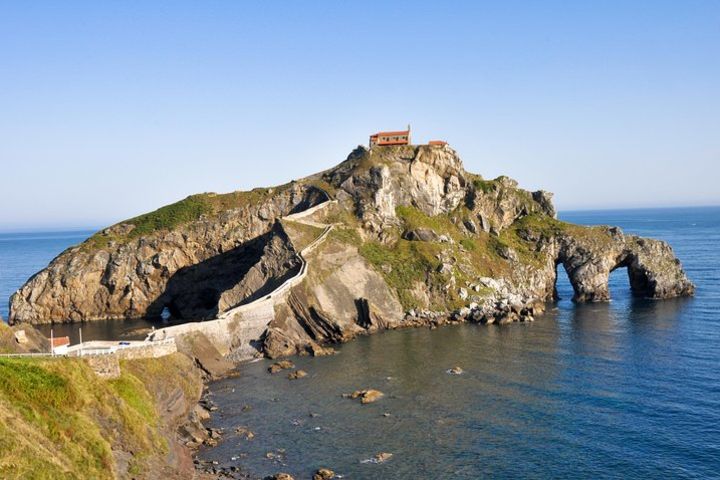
[(416, 240), (226, 252)]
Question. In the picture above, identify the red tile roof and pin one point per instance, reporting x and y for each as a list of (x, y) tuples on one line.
[(60, 341), (391, 134)]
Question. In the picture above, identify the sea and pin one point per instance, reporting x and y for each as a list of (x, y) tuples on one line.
[(625, 389)]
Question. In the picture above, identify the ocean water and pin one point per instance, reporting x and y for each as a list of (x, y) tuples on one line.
[(628, 389)]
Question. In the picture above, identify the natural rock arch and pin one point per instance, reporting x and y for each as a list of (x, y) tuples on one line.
[(652, 268)]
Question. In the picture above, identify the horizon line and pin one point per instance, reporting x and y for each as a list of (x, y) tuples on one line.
[(87, 228)]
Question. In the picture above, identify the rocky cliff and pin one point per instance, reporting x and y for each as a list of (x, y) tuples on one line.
[(195, 258), (417, 240)]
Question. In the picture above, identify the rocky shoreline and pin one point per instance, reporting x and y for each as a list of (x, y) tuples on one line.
[(196, 436)]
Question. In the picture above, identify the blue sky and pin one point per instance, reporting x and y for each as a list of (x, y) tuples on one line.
[(111, 109)]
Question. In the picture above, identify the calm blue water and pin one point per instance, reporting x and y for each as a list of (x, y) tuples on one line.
[(629, 389)]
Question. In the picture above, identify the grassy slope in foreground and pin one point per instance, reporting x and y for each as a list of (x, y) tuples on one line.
[(59, 420)]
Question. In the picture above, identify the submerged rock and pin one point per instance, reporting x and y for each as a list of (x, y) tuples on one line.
[(378, 458), (297, 374), (244, 432), (319, 351), (280, 366)]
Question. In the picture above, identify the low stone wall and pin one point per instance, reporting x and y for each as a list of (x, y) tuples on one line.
[(149, 350), (236, 332), (104, 366)]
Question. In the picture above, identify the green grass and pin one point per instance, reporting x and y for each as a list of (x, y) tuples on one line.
[(345, 235), (469, 244), (33, 386), (170, 216), (403, 265), (413, 218), (301, 235), (183, 212), (323, 185), (484, 186), (59, 420), (134, 394)]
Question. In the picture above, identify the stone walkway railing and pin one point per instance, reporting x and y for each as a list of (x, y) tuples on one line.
[(124, 349)]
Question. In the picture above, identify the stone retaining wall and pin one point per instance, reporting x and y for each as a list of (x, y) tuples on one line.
[(104, 366), (149, 350)]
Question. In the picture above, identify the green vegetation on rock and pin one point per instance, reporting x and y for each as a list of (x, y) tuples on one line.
[(482, 185), (301, 234), (176, 214), (413, 218), (59, 420)]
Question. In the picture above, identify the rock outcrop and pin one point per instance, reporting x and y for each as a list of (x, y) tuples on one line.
[(196, 269), (417, 240), (653, 271)]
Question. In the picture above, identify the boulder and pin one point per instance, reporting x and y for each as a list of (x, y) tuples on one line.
[(323, 474), (367, 396), (297, 374), (281, 365), (421, 235), (280, 476)]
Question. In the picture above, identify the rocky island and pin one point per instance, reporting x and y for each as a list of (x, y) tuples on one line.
[(392, 237), (415, 240)]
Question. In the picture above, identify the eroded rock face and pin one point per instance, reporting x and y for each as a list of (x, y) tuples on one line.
[(195, 270), (499, 203), (342, 297), (377, 181), (653, 270)]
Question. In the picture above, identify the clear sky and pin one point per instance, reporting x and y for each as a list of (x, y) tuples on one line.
[(111, 109)]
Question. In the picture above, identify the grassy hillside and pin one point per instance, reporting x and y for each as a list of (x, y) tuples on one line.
[(180, 213), (59, 420)]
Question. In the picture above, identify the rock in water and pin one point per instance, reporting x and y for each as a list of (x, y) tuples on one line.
[(244, 432), (281, 365), (379, 458), (297, 374), (367, 396), (323, 474), (455, 371), (383, 457), (280, 476)]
